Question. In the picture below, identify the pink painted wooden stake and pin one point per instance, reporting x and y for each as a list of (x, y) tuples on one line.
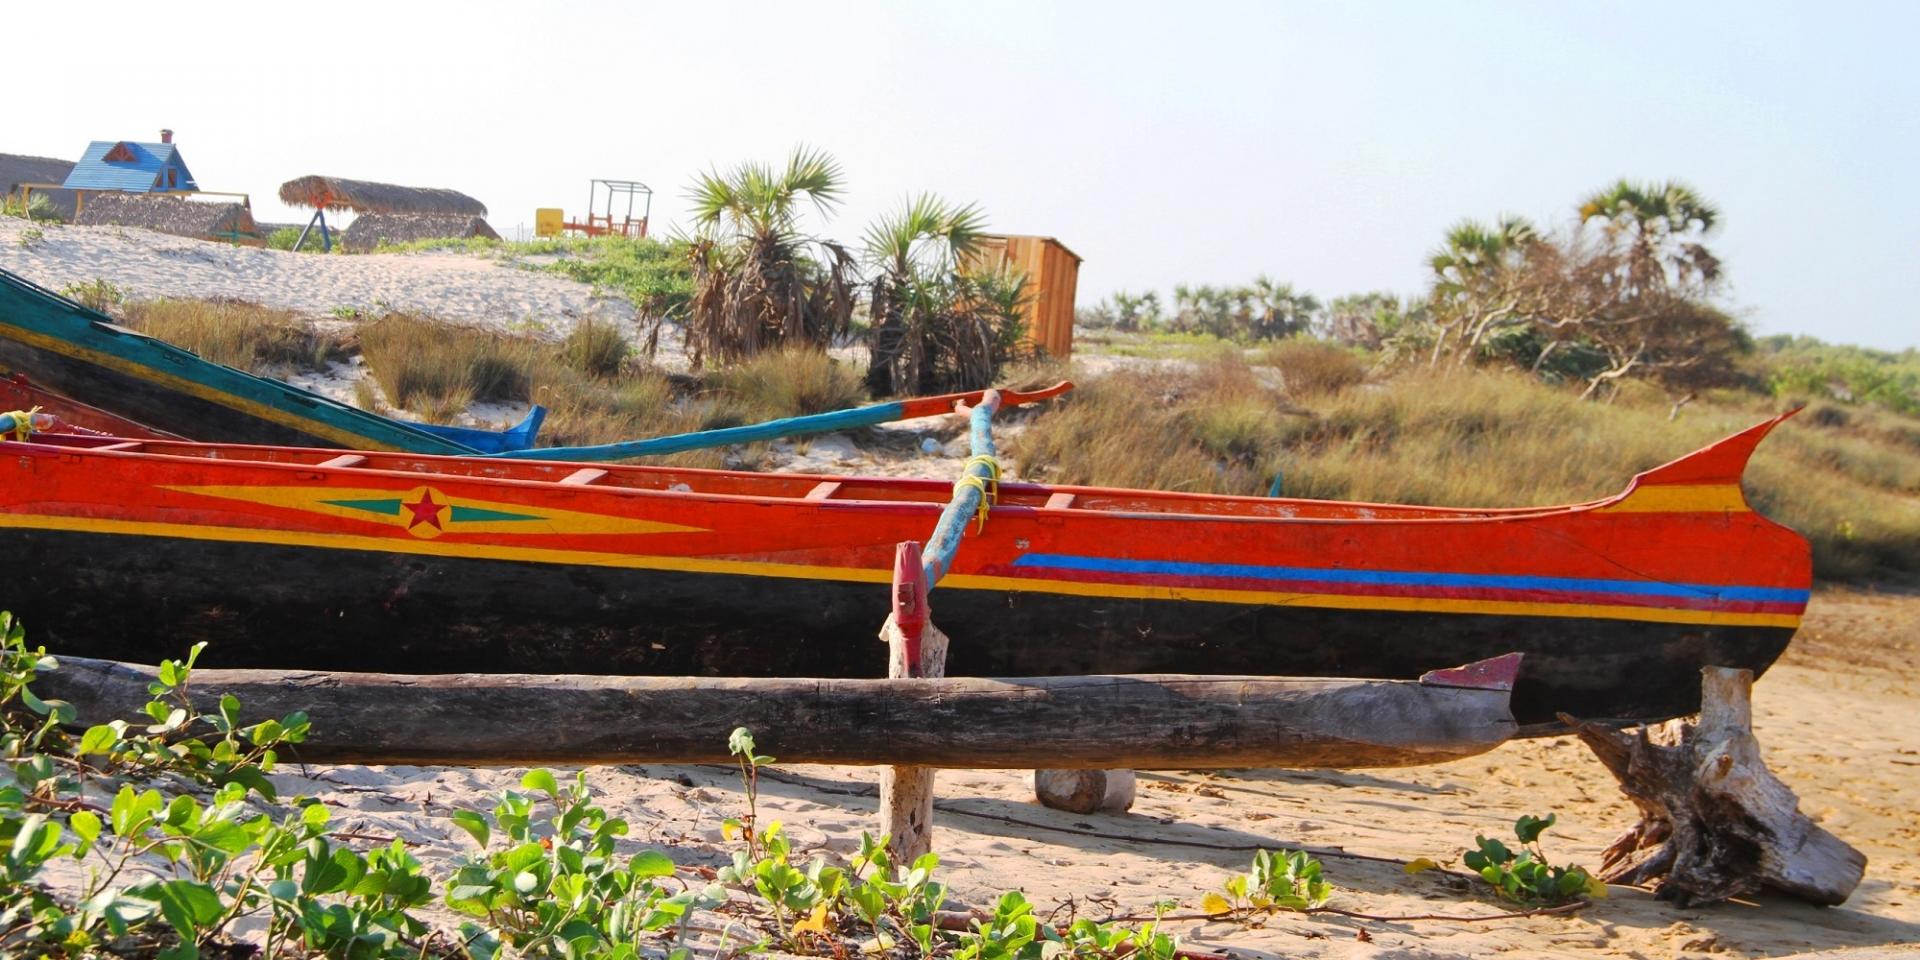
[(910, 599)]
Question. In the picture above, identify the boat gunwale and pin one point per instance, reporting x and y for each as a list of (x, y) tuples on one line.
[(95, 445)]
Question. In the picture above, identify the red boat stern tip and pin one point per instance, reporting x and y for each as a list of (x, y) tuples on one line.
[(1722, 461), (1497, 673)]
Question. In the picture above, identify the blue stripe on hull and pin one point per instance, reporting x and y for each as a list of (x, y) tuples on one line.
[(1410, 578)]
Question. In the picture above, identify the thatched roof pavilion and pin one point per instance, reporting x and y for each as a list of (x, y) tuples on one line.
[(16, 169), (369, 230), (179, 216), (365, 196)]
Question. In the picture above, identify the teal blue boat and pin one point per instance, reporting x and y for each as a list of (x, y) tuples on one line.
[(71, 349), (81, 353)]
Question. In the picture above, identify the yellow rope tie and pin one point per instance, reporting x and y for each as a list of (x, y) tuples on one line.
[(989, 485), (22, 425), (980, 484), (993, 472)]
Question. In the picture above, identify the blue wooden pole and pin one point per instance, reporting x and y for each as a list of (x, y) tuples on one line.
[(297, 244), (24, 423), (981, 474), (847, 419), (726, 436)]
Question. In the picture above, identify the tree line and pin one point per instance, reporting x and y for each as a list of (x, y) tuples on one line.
[(1629, 289)]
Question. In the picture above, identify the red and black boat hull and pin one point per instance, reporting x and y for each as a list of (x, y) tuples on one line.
[(318, 559)]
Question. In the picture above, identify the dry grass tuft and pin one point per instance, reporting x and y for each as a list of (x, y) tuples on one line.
[(1201, 430), (791, 381), (1311, 368), (637, 404), (595, 348), (592, 394), (236, 333), (436, 369), (1474, 438)]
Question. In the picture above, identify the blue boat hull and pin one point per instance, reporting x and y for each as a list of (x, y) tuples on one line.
[(71, 349)]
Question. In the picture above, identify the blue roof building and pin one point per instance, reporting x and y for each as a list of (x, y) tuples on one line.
[(131, 167)]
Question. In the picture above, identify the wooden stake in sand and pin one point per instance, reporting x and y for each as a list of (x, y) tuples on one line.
[(914, 647), (1715, 822)]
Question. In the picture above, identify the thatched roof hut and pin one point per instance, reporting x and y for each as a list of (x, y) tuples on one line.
[(369, 230), (16, 170), (176, 215), (365, 196)]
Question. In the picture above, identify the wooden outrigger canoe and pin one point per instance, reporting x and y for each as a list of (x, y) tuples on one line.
[(1153, 722), (79, 352), (288, 557), (156, 389)]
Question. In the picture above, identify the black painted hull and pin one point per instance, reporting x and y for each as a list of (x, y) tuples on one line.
[(146, 401), (142, 598)]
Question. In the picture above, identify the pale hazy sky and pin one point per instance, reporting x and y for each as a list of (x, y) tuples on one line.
[(1329, 144)]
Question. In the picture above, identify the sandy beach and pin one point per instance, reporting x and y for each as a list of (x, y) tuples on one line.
[(1836, 719), (1839, 731)]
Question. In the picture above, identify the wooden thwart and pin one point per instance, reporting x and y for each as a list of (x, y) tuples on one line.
[(1715, 822), (1144, 721), (583, 477)]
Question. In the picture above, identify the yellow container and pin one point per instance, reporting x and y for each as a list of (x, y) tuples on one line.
[(548, 222)]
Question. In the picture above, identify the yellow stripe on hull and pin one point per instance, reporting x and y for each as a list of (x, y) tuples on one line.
[(442, 547), (330, 501), (1682, 498)]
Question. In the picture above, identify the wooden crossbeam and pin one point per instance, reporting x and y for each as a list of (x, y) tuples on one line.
[(583, 476)]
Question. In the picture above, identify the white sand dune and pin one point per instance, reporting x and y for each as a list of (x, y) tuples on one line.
[(481, 291)]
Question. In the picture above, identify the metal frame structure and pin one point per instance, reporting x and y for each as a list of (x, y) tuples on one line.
[(602, 224)]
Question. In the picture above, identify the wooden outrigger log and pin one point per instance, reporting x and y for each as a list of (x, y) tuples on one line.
[(1146, 721)]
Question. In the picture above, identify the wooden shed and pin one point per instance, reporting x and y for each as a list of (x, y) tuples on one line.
[(1052, 272)]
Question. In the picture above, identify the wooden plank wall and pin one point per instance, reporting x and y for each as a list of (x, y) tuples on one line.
[(1052, 273)]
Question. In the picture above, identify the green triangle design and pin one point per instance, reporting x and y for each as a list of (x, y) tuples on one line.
[(473, 514), (387, 507)]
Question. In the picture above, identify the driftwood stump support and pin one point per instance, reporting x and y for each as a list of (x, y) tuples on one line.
[(1715, 822), (906, 793), (1085, 791)]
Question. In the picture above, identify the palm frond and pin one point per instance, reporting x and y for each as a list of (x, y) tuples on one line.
[(816, 174)]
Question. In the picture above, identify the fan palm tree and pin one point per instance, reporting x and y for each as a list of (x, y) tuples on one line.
[(937, 325), (1136, 311), (1670, 207), (1473, 250), (1281, 311), (1477, 274), (1659, 227), (759, 281)]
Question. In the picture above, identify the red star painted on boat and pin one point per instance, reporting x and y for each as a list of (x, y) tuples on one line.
[(425, 511)]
